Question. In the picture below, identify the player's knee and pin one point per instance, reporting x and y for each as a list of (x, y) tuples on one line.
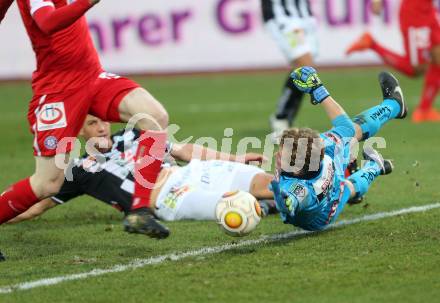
[(358, 185), (358, 131), (435, 55), (163, 117), (419, 70), (157, 119), (350, 187), (141, 102)]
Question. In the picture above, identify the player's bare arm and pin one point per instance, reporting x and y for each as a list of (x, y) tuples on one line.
[(51, 20), (260, 186), (332, 108), (35, 211), (187, 152), (307, 80)]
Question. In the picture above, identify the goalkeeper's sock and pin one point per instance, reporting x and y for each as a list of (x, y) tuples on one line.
[(401, 63), (363, 178), (374, 118), (290, 101), (16, 200)]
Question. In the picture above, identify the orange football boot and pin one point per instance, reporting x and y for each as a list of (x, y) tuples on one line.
[(364, 42), (430, 115)]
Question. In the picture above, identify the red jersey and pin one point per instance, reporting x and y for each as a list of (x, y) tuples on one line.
[(421, 6), (66, 56)]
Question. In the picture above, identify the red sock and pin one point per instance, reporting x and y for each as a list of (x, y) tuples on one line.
[(430, 88), (401, 63), (148, 162), (16, 200)]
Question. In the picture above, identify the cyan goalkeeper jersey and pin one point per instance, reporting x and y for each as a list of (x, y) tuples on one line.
[(314, 203)]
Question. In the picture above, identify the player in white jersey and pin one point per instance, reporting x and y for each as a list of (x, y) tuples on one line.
[(188, 192), (192, 191), (293, 27)]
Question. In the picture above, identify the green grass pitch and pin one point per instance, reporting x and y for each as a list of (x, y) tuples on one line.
[(389, 260)]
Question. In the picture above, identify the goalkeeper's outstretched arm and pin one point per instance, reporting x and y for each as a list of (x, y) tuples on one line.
[(340, 120), (332, 108), (306, 79), (187, 152)]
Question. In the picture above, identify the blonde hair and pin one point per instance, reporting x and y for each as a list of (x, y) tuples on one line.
[(302, 151)]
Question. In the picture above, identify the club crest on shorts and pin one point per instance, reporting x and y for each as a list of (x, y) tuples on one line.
[(51, 116), (50, 142)]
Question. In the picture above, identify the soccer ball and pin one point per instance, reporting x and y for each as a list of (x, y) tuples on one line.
[(238, 213)]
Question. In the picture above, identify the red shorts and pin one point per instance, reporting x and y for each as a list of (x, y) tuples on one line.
[(55, 117), (421, 31)]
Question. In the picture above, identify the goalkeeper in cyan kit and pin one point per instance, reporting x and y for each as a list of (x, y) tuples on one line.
[(310, 187)]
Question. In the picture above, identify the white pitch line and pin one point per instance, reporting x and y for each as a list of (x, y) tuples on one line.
[(138, 263)]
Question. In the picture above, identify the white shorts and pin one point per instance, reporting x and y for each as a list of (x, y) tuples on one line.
[(295, 37), (192, 191)]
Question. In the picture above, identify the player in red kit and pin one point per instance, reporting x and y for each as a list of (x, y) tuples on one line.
[(67, 84), (420, 27)]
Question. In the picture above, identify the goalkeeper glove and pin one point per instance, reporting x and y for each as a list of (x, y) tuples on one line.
[(306, 80)]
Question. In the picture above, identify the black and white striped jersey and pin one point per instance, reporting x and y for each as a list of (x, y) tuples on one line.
[(107, 177), (282, 9)]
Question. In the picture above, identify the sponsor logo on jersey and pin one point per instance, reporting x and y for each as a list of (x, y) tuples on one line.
[(205, 177), (174, 194), (335, 204), (328, 181), (299, 191), (332, 212), (51, 142), (324, 183), (51, 116)]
